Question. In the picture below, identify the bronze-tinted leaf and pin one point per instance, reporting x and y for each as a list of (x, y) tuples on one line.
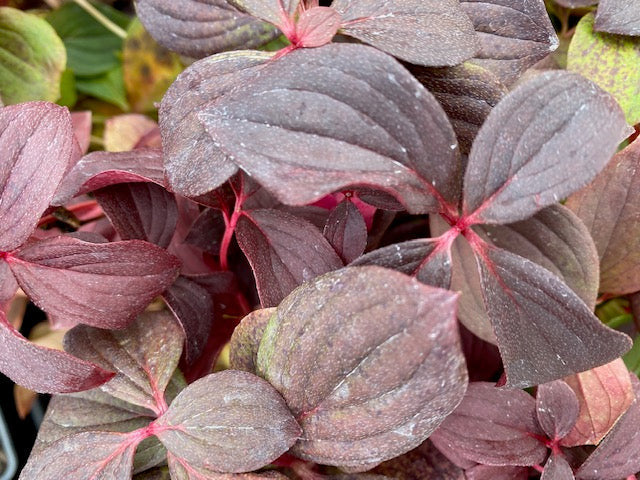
[(604, 394), (181, 470), (346, 230), (618, 16), (425, 32), (105, 456), (228, 422), (144, 355), (302, 138), (102, 169), (36, 140), (488, 472), (100, 284), (198, 28), (519, 161), (609, 208), (544, 330), (467, 93), (368, 360), (283, 251), (194, 164), (494, 426), (244, 343), (514, 35), (557, 408)]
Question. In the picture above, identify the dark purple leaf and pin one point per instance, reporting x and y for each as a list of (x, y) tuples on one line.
[(105, 285), (145, 355), (301, 137), (102, 169), (618, 16), (426, 259), (140, 211), (519, 161), (494, 426), (198, 28), (609, 208), (604, 394), (618, 456), (283, 251), (514, 35), (467, 93), (228, 422), (36, 141), (181, 470), (424, 462), (557, 468), (424, 32), (544, 331), (207, 231), (317, 26), (394, 372), (194, 164), (557, 408), (346, 231), (194, 309), (44, 369), (104, 456), (243, 347), (277, 12), (487, 472)]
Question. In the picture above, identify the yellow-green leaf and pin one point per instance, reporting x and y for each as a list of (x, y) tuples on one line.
[(149, 69), (611, 61), (32, 58)]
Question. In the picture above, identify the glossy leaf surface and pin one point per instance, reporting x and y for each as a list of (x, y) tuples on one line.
[(383, 131), (513, 34), (557, 408), (518, 163), (198, 28), (283, 251), (144, 355), (526, 303), (36, 140), (557, 468), (194, 164), (346, 231), (228, 422), (371, 318), (609, 207), (424, 32), (104, 285), (493, 426)]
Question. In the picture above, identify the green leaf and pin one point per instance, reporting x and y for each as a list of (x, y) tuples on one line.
[(68, 94), (632, 357), (91, 48), (32, 58), (611, 61), (108, 87)]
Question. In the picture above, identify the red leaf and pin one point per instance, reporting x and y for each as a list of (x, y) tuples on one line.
[(604, 394), (424, 32), (346, 231), (509, 179), (228, 422), (43, 369), (198, 28), (36, 140), (85, 456), (317, 26), (493, 426), (194, 164), (145, 355), (101, 284), (339, 137), (101, 169), (544, 330), (284, 251), (142, 211), (557, 408), (395, 351), (609, 208)]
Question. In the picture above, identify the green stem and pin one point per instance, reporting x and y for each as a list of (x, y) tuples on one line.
[(95, 13)]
